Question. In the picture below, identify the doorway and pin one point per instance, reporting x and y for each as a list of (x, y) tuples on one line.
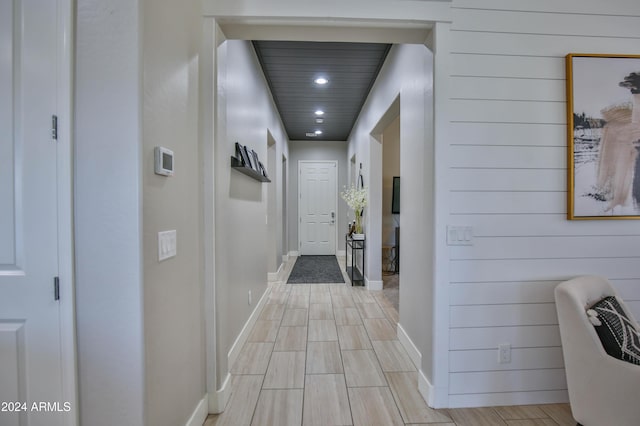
[(317, 187)]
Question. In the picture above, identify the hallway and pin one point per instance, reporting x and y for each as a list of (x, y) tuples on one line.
[(327, 354)]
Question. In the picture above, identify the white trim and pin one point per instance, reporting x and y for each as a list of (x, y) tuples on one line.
[(199, 415), (210, 38), (244, 334), (335, 227), (508, 398), (426, 389), (275, 276), (65, 36), (294, 253), (285, 258), (374, 285), (218, 399), (409, 346)]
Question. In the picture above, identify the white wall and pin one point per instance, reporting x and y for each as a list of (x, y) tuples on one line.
[(507, 179), (317, 151), (173, 305), (108, 213), (407, 72), (245, 113)]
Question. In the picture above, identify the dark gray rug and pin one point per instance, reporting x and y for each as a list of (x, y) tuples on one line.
[(315, 269)]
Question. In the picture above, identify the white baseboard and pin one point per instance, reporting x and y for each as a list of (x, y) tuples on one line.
[(509, 398), (218, 400), (373, 285), (244, 334), (409, 346), (200, 414), (294, 254), (285, 258), (275, 276), (426, 389), (341, 253)]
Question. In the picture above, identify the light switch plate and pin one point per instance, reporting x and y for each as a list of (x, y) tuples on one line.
[(459, 235), (167, 244)]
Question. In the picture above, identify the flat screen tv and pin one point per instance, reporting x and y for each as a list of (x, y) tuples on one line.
[(395, 199)]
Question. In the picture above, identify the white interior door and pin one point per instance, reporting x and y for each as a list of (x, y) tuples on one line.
[(30, 331), (317, 207)]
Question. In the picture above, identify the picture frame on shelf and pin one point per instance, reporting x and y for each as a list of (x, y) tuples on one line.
[(247, 157), (263, 171), (255, 161), (603, 136)]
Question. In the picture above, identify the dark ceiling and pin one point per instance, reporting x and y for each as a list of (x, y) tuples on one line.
[(291, 68)]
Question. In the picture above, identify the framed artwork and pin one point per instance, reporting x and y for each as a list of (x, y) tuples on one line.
[(247, 157), (255, 161), (263, 171), (603, 132)]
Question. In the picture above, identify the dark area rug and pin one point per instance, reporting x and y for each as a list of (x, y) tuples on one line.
[(315, 269)]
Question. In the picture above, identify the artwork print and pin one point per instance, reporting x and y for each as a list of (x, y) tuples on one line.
[(603, 108)]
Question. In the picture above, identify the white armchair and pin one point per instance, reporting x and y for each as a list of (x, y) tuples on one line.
[(603, 390)]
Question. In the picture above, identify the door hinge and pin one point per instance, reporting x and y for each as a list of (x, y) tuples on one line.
[(54, 127), (56, 288)]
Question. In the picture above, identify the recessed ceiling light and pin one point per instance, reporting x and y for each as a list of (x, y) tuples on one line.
[(319, 120), (319, 112), (318, 132), (310, 135), (321, 80)]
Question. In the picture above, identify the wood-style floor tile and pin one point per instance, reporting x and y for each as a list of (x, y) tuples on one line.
[(476, 417), (278, 297), (298, 301), (413, 408), (264, 331), (285, 371), (560, 413), (361, 368), (380, 329), (532, 422), (361, 295), (391, 314), (392, 356), (370, 310), (520, 412), (347, 316), (291, 339), (322, 331), (374, 407), (295, 317), (253, 358), (272, 312), (340, 301), (320, 311), (326, 401), (279, 407), (323, 358), (320, 297), (353, 337), (245, 391)]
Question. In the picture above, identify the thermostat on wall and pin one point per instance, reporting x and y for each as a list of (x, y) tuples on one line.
[(164, 161)]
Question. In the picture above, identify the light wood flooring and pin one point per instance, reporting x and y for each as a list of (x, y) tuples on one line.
[(327, 354)]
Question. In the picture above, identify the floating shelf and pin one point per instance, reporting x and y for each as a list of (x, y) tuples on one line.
[(237, 164)]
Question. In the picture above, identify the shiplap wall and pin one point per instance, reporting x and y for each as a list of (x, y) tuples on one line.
[(508, 181)]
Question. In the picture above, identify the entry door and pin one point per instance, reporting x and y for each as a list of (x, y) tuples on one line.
[(30, 333), (317, 207)]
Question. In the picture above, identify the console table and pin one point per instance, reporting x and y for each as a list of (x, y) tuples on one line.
[(355, 245)]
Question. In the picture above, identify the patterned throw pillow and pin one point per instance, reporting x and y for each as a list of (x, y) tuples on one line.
[(617, 333)]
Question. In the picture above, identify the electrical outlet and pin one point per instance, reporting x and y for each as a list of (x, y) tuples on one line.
[(504, 353), (249, 297)]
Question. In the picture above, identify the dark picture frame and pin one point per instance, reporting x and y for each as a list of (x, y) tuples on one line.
[(247, 157), (603, 136), (263, 171), (395, 198), (255, 161)]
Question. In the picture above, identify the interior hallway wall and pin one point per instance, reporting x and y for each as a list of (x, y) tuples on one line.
[(173, 303), (245, 113), (407, 72), (317, 151)]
